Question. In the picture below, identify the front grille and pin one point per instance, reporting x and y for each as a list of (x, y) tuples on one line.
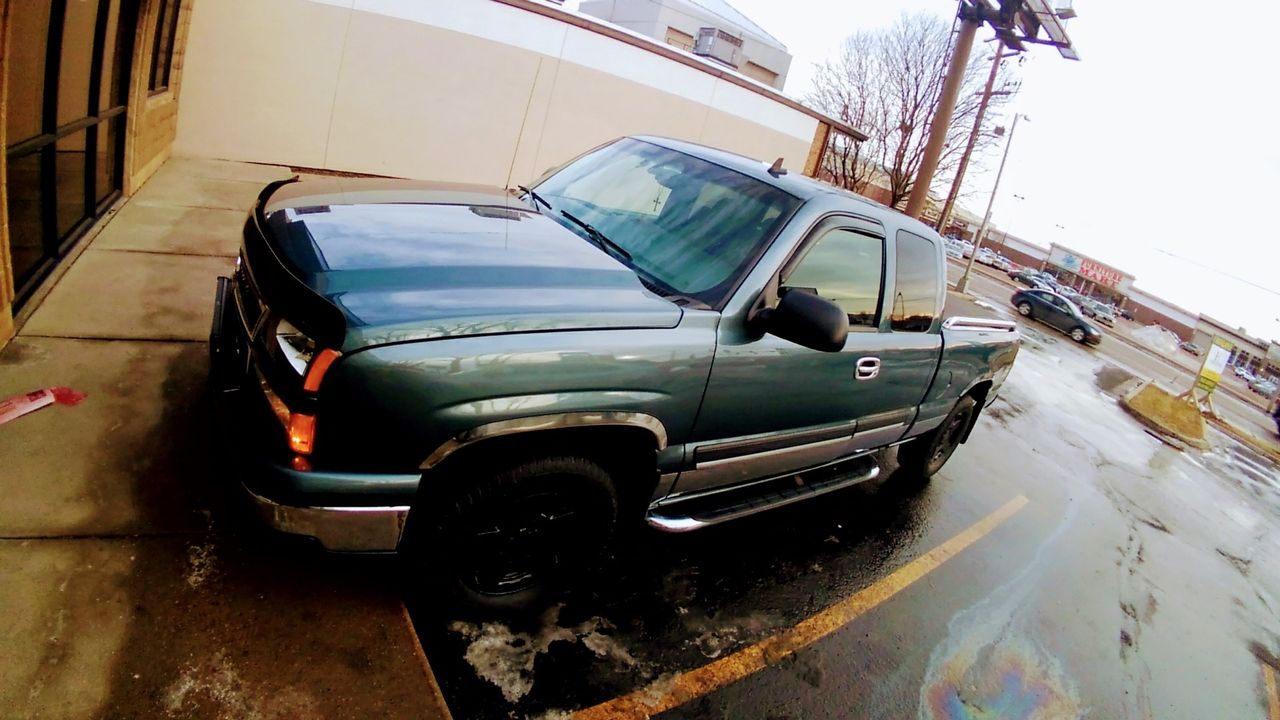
[(247, 298)]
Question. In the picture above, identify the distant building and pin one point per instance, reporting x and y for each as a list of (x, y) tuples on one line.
[(1258, 356), (709, 28)]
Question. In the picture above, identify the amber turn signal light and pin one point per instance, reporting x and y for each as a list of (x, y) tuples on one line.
[(319, 366), (302, 433)]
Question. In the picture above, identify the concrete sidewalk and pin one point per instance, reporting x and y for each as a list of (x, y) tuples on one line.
[(129, 584)]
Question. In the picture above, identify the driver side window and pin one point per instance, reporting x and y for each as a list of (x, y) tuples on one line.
[(847, 268)]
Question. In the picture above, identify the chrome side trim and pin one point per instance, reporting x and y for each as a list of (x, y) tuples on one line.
[(340, 529), (666, 482), (725, 472), (876, 438), (557, 421), (924, 426), (766, 454), (970, 323)]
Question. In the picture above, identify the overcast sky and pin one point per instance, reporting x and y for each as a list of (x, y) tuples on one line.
[(1158, 153)]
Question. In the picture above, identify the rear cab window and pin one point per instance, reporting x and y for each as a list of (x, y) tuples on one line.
[(916, 284)]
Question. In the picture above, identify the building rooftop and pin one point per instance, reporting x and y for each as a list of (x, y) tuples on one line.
[(731, 15)]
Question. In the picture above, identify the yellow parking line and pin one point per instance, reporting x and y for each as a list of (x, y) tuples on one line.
[(1273, 697), (665, 695)]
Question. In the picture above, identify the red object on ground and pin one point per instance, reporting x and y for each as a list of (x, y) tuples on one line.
[(16, 407)]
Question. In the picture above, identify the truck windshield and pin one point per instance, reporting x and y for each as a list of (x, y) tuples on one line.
[(689, 227)]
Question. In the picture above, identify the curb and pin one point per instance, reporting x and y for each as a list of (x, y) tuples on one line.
[(1252, 441)]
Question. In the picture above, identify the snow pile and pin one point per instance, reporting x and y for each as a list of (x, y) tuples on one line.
[(1158, 338)]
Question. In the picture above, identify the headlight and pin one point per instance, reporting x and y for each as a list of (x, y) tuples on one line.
[(296, 347)]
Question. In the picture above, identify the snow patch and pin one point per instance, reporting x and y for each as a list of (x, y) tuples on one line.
[(218, 684), (506, 658), (201, 558)]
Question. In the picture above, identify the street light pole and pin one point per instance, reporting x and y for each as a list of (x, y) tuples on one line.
[(986, 220)]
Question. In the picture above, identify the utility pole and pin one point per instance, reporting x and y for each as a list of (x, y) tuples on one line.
[(1016, 23), (970, 21), (963, 283), (973, 140)]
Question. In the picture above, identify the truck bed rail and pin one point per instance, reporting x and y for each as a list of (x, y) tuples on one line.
[(971, 323)]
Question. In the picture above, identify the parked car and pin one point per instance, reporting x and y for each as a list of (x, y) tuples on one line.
[(1025, 276), (1094, 309), (1003, 263), (986, 257), (1191, 347), (1058, 312), (1125, 313), (491, 382), (1244, 373), (955, 251), (1264, 387)]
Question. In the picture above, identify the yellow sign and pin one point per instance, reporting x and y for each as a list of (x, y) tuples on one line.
[(1215, 361)]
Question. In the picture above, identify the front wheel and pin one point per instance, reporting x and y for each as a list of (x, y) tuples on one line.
[(506, 540), (1024, 309), (1077, 334), (924, 456)]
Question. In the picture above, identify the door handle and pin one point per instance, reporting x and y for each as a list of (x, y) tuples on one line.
[(867, 368)]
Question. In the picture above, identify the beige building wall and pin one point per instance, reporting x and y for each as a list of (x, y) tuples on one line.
[(469, 90)]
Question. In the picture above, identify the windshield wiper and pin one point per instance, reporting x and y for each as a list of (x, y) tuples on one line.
[(536, 197), (603, 241)]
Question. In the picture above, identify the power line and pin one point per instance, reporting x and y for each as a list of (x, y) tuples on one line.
[(1223, 273)]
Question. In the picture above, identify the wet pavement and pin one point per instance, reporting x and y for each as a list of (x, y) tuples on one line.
[(1131, 580)]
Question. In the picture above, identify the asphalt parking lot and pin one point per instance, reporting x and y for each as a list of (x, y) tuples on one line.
[(1065, 563)]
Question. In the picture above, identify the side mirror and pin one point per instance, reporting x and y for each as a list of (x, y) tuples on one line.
[(806, 319)]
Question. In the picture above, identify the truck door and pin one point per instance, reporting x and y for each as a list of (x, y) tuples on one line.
[(772, 406)]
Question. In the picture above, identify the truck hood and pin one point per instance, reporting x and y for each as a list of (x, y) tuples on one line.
[(406, 260)]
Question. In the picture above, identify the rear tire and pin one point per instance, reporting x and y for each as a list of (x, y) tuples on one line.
[(924, 456), (508, 538)]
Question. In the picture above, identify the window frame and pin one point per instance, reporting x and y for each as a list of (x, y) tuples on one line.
[(829, 223), (160, 77)]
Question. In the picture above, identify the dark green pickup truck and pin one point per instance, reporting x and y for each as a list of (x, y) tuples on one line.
[(490, 380)]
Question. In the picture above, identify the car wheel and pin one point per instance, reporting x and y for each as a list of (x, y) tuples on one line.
[(1024, 309), (1077, 334), (924, 456), (510, 538)]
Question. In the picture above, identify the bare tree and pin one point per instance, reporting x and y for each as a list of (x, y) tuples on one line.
[(888, 83)]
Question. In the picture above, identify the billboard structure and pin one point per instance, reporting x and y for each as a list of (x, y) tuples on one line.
[(1215, 362), (1086, 267)]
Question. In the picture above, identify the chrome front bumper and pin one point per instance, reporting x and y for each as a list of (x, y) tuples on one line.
[(340, 529)]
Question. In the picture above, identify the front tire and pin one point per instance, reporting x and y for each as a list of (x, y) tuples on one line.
[(1077, 334), (1024, 309), (509, 537), (924, 456)]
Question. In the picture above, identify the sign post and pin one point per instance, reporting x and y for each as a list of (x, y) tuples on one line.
[(1215, 361)]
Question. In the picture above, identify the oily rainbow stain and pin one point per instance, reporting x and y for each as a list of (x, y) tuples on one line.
[(1012, 679), (991, 664)]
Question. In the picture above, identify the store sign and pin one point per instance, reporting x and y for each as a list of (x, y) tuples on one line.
[(1100, 274), (1215, 361)]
